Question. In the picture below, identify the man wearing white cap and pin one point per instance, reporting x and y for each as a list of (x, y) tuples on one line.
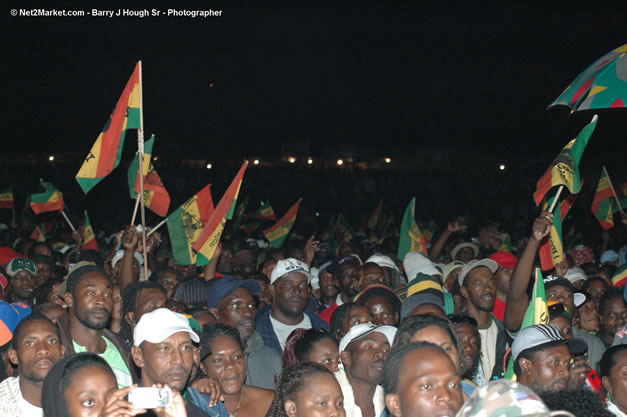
[(290, 291), (163, 350), (363, 350)]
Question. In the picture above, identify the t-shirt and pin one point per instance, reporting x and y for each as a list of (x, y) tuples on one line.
[(113, 357), (488, 348), (13, 404), (283, 331), (499, 309)]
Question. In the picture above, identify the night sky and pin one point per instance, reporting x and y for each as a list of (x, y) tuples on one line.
[(385, 76)]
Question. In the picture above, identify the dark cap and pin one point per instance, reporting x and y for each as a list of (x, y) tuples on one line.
[(553, 280), (341, 260), (227, 285), (382, 291)]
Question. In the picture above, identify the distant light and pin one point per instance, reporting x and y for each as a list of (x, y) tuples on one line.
[(317, 214), (156, 158), (51, 158), (340, 162), (310, 161), (256, 162), (502, 167), (210, 84), (209, 166), (387, 160), (291, 159)]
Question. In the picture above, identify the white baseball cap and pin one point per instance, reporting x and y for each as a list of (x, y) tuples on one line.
[(285, 266), (360, 330), (158, 325)]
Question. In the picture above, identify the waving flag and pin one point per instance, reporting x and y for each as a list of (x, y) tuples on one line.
[(411, 239), (603, 202), (373, 220), (106, 152), (565, 168), (156, 197), (185, 225), (265, 212), (344, 232), (6, 198), (212, 232), (277, 234), (49, 200), (89, 238)]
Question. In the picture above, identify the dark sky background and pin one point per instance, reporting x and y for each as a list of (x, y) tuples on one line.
[(384, 76)]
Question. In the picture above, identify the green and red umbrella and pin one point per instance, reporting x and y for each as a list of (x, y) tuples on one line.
[(602, 85)]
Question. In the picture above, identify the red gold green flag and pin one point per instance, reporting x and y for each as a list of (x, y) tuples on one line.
[(106, 152), (551, 249), (411, 240), (620, 276), (6, 198), (265, 212), (185, 225), (212, 232), (38, 234), (277, 234), (603, 202), (156, 197), (89, 238), (565, 168), (49, 200)]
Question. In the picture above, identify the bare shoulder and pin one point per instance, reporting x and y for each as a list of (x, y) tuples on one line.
[(260, 394)]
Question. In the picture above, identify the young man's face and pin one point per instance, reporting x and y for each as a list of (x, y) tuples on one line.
[(364, 357), (92, 300), (38, 349), (548, 370), (480, 289)]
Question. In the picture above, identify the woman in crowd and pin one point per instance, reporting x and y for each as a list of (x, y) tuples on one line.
[(346, 316), (613, 373), (311, 345), (307, 389), (227, 366)]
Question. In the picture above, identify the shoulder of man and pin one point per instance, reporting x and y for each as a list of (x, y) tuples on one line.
[(9, 394), (316, 321)]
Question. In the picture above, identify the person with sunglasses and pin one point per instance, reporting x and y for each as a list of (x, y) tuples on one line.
[(469, 338)]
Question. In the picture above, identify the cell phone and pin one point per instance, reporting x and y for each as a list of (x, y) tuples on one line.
[(150, 397)]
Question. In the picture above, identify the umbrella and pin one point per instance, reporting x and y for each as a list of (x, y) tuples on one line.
[(602, 85)]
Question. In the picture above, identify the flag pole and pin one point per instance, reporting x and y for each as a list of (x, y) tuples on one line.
[(140, 151), (67, 219), (613, 191), (154, 229), (135, 209), (557, 196)]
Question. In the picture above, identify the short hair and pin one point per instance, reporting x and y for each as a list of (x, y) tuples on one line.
[(528, 354), (609, 359), (394, 361), (31, 250), (610, 294), (305, 344), (294, 378), (413, 324), (580, 402), (608, 270), (590, 280), (193, 291), (75, 276), (156, 276), (44, 290), (20, 327), (213, 330)]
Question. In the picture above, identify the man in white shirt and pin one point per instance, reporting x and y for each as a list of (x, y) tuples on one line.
[(35, 349)]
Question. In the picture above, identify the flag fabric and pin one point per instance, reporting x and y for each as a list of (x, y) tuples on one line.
[(156, 197), (537, 313), (265, 212), (344, 232), (620, 276), (373, 220), (239, 215), (277, 234), (89, 238), (106, 152), (551, 249), (603, 202), (411, 239), (6, 199), (49, 200), (565, 168), (185, 225), (212, 232), (38, 234)]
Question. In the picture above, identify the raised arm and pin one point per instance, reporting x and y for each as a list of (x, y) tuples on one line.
[(130, 241), (452, 227), (517, 300)]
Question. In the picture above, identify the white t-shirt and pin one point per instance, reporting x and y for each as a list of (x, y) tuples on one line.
[(283, 331), (13, 404), (488, 348)]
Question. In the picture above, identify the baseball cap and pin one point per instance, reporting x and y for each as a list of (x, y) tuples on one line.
[(450, 267), (457, 248), (416, 262), (382, 261), (552, 280), (575, 274), (506, 398), (382, 291), (360, 330), (285, 266), (609, 256), (120, 254), (159, 324), (227, 285), (21, 264), (504, 259), (544, 335), (341, 260), (10, 317), (418, 299), (486, 262)]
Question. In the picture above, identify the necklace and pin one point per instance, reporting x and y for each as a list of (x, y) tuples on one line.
[(239, 404)]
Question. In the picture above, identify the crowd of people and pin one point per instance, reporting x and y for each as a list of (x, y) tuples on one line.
[(318, 327)]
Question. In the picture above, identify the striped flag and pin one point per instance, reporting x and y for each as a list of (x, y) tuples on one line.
[(49, 200), (277, 234), (185, 225), (565, 168), (156, 197), (212, 232), (551, 249), (89, 238), (106, 152), (537, 313), (620, 276), (411, 240), (265, 212), (38, 234), (6, 199), (603, 202)]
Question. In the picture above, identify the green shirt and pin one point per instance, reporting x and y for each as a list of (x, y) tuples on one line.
[(113, 357)]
